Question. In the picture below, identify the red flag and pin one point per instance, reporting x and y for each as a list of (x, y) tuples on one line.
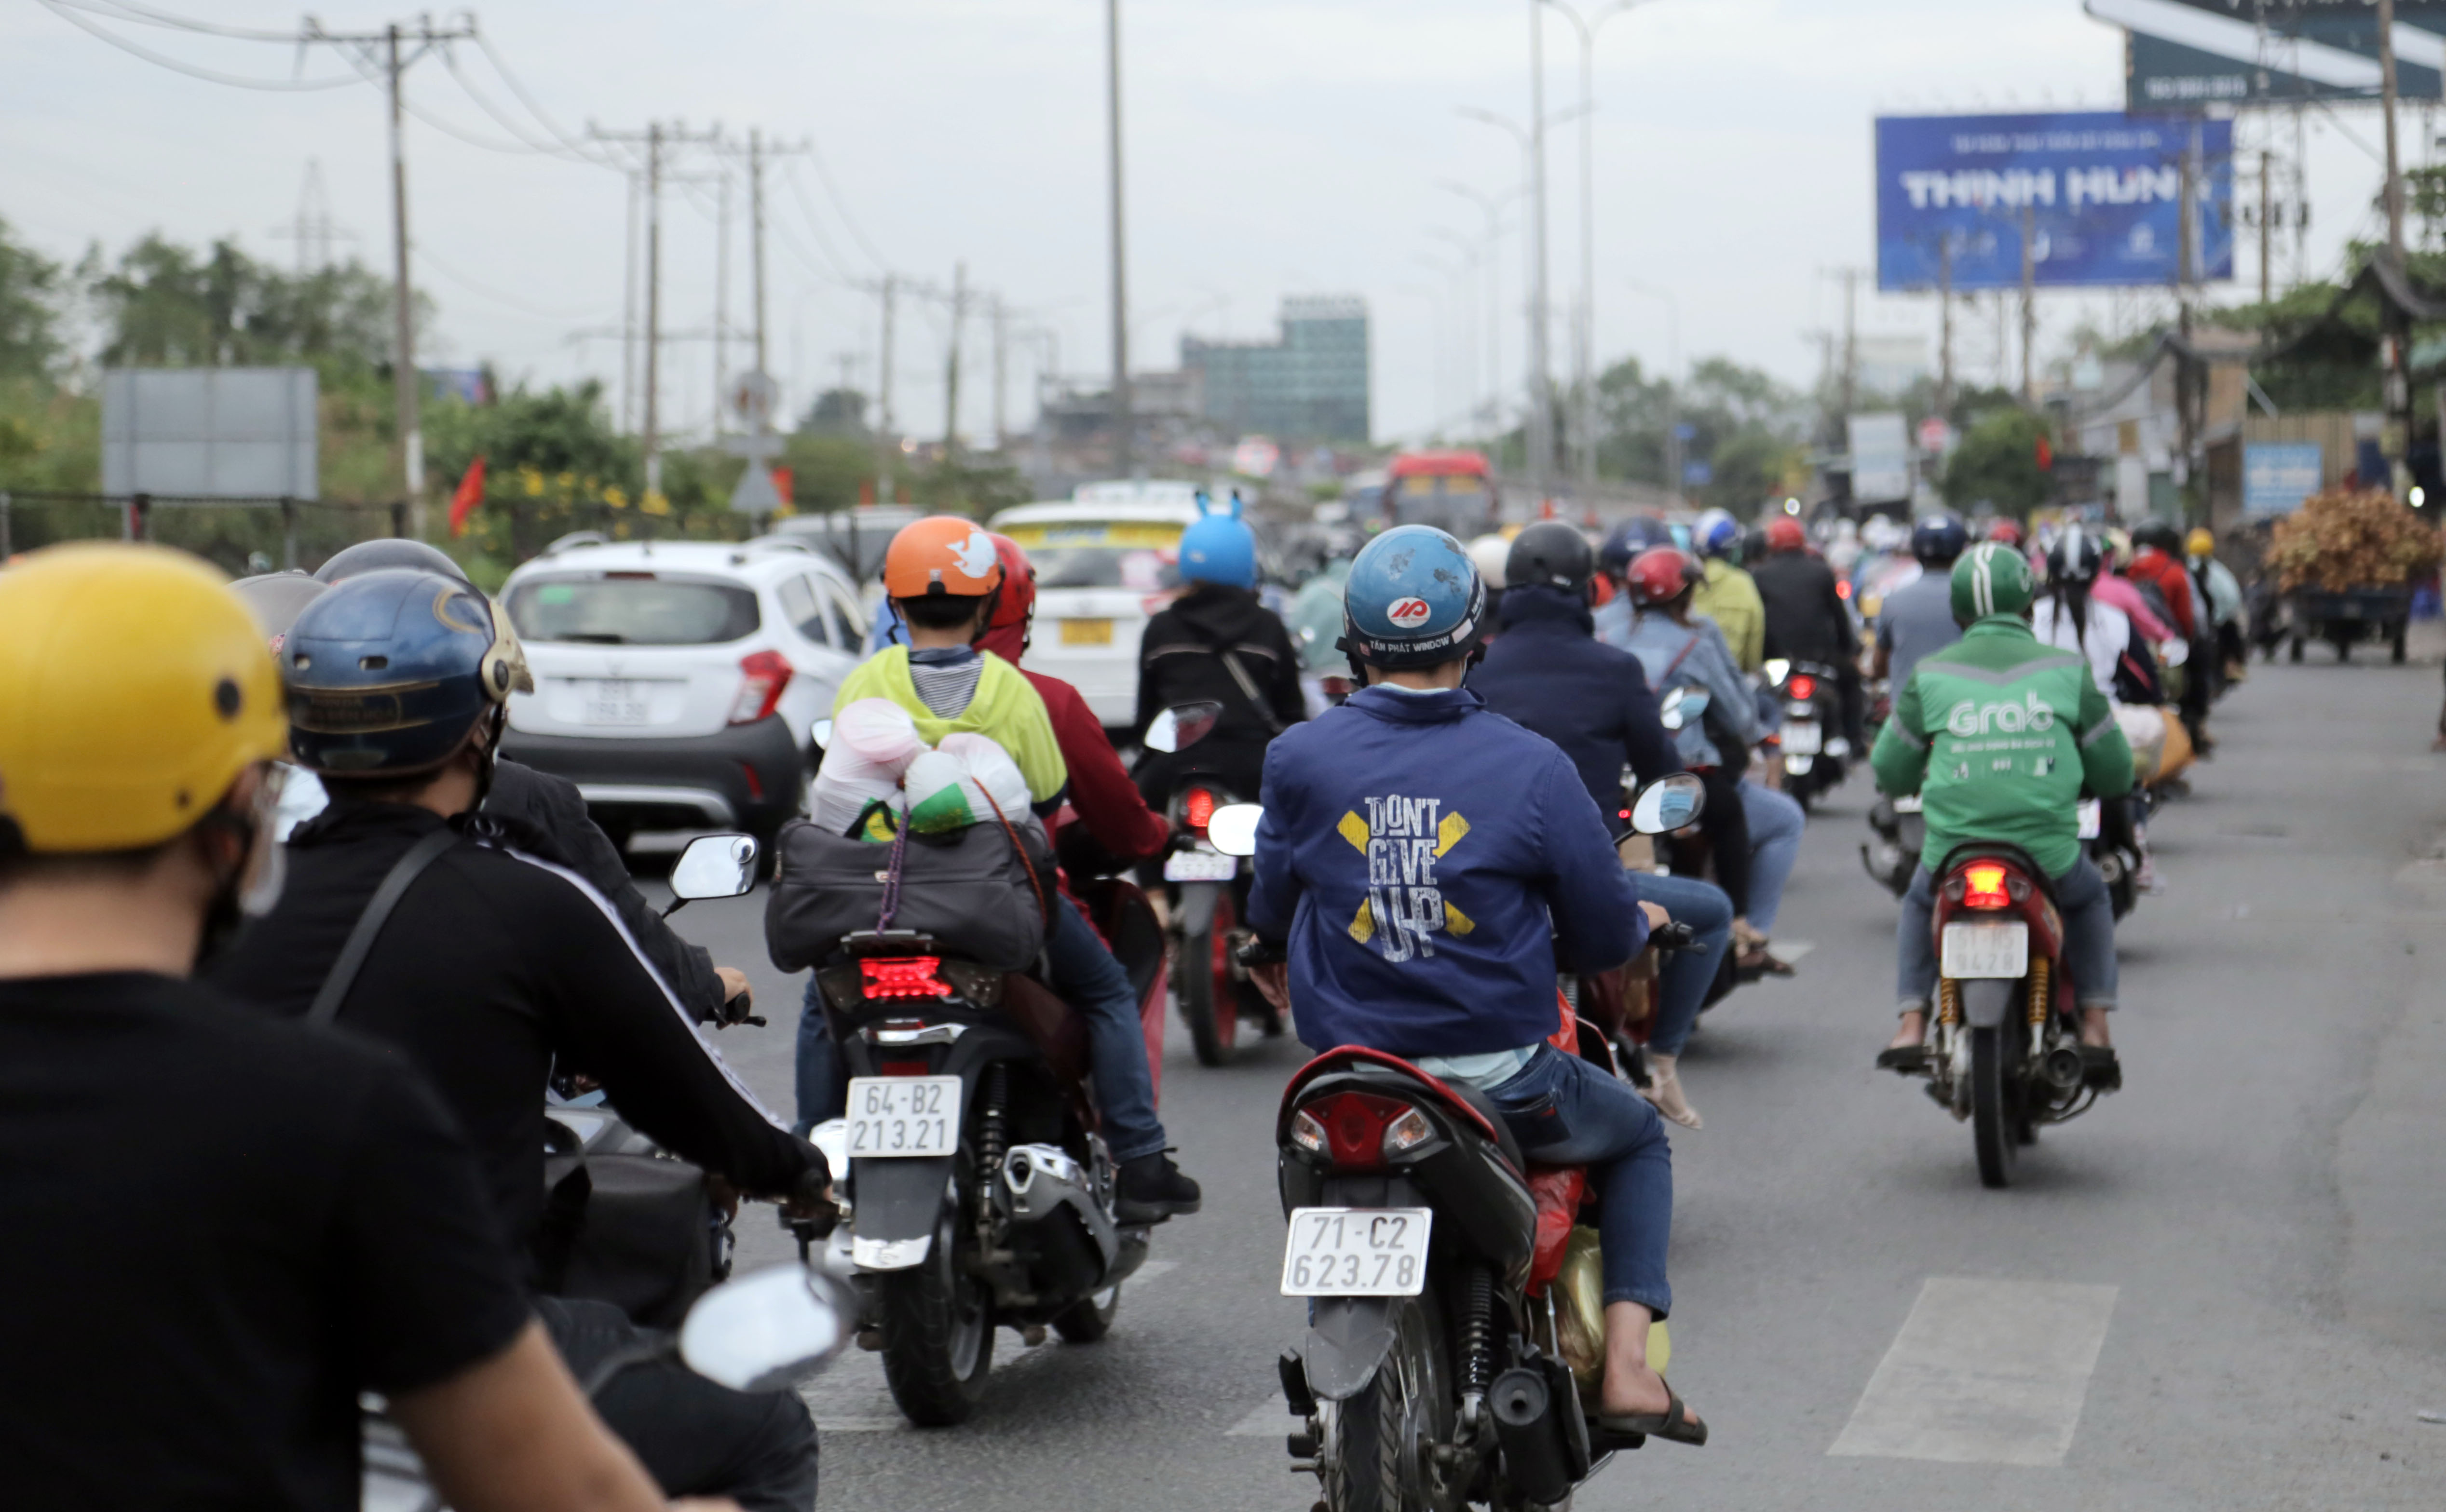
[(471, 492), (782, 482), (2046, 456)]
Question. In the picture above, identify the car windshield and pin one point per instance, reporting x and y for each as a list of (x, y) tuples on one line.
[(641, 610), (1137, 568)]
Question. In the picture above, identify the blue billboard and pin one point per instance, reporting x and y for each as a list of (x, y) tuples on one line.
[(2101, 192)]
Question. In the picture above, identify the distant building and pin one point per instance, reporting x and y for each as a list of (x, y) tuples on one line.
[(1309, 384)]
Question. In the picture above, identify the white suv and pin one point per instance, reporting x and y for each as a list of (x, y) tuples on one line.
[(676, 681)]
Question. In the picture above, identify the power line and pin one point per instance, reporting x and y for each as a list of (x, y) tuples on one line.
[(831, 192), (145, 15), (78, 16)]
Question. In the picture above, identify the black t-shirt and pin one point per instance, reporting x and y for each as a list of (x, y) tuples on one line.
[(215, 1231)]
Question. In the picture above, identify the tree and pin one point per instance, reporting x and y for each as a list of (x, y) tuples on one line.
[(29, 296), (1742, 424), (167, 305), (836, 412), (1997, 464)]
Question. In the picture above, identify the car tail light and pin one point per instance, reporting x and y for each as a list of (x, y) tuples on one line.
[(1984, 887), (1803, 686), (763, 675), (1358, 1128), (1197, 809), (903, 977)]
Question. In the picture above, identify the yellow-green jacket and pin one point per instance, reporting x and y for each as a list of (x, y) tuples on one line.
[(1729, 598)]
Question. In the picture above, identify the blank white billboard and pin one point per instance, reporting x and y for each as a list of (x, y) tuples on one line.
[(209, 432)]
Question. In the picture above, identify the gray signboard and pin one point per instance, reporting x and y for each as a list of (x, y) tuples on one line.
[(209, 432), (2191, 54)]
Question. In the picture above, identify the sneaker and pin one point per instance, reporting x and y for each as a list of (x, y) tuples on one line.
[(1152, 1189)]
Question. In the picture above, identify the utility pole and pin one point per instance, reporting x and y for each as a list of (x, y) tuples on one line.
[(1851, 339), (1001, 337), (1124, 417), (656, 139), (2386, 104), (884, 437), (1944, 327), (2029, 296), (1541, 412), (756, 233), (2267, 173), (952, 368), (721, 299)]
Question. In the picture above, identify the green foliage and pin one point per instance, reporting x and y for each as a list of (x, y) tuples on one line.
[(1744, 426), (1997, 464), (836, 412), (30, 289), (827, 471), (166, 305)]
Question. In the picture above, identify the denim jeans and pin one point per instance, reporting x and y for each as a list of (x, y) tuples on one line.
[(1684, 976), (1565, 1111), (1775, 825), (1092, 982), (2089, 938)]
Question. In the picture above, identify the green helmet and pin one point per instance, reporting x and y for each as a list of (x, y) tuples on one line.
[(1992, 578)]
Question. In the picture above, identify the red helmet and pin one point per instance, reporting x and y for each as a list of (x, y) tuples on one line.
[(1659, 576), (2008, 531), (1783, 533), (1006, 633)]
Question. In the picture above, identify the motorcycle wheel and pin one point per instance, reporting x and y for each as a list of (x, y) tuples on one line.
[(1995, 1107), (1210, 1000), (939, 1334), (1089, 1318), (1376, 1454)]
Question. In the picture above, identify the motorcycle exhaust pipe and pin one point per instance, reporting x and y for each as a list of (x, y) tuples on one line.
[(1527, 1427), (2063, 1068)]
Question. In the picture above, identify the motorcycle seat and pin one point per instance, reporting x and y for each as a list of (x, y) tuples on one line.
[(1392, 1072)]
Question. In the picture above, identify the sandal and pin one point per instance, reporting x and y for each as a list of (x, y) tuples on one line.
[(1674, 1423), (2099, 1067), (1907, 1060)]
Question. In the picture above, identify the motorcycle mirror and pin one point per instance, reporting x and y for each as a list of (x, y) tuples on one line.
[(821, 733), (713, 866), (1776, 671), (1683, 705), (2174, 653), (1667, 804), (1182, 725), (1232, 830), (767, 1330)]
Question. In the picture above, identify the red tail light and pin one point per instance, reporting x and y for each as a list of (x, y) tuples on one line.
[(903, 1067), (1802, 686), (1984, 887), (903, 977), (1842, 588), (1358, 1129), (763, 675), (1197, 809)]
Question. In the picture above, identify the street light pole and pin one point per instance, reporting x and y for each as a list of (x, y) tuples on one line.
[(1584, 329), (1492, 207), (1541, 409), (1124, 421)]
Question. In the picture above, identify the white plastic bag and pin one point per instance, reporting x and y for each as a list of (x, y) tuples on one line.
[(873, 743)]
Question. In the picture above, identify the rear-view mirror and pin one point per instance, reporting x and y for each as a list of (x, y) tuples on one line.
[(1233, 828), (768, 1330), (1776, 670), (713, 866), (1182, 727), (1668, 804), (2174, 653), (1682, 706), (820, 733)]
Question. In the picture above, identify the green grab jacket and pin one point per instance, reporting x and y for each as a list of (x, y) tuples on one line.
[(2000, 734)]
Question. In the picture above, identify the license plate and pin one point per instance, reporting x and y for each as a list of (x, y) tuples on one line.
[(892, 1117), (1801, 737), (2091, 820), (1977, 950), (1200, 866), (1909, 802), (617, 700), (1357, 1252), (1087, 632)]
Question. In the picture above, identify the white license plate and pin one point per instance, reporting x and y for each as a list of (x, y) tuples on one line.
[(617, 700), (1200, 866), (1801, 737), (1976, 950), (2091, 819), (892, 1117), (1357, 1252), (1909, 803)]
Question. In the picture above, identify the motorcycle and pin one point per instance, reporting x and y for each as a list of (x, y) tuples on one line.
[(1812, 760), (2005, 1053), (1205, 894), (1897, 829), (1451, 1347)]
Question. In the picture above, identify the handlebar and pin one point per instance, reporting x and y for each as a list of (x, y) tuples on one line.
[(1263, 953), (1672, 935)]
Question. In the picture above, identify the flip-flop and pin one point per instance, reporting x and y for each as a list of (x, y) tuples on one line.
[(2100, 1069), (1673, 1422), (1907, 1060)]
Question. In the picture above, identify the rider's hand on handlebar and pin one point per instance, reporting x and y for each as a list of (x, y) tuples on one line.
[(1657, 917), (737, 997)]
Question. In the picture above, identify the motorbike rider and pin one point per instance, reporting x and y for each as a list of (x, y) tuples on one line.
[(1429, 866), (331, 1230), (1216, 644), (1753, 833), (2222, 592), (494, 969), (945, 576), (1729, 596), (1549, 674), (2013, 778), (1917, 618), (2158, 561), (1806, 620), (1640, 532)]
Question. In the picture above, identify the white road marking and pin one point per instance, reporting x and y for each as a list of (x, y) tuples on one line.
[(1272, 1420), (1983, 1373), (859, 1425)]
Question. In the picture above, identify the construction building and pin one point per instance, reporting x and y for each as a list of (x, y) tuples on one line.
[(1311, 384)]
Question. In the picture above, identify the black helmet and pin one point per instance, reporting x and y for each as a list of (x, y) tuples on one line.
[(1553, 552), (2158, 534), (2074, 558), (388, 551), (1937, 539), (1640, 532)]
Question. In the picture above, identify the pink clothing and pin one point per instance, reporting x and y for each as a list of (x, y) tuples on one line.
[(2110, 589)]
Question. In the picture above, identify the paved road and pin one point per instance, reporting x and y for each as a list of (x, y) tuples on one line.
[(2226, 1288)]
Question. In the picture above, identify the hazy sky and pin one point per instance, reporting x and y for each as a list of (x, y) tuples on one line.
[(1273, 147)]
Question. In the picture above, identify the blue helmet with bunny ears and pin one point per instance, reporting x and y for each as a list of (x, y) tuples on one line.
[(1219, 548)]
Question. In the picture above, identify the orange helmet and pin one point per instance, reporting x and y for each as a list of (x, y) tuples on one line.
[(941, 554)]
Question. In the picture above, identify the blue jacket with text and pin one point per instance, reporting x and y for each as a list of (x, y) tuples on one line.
[(1431, 865)]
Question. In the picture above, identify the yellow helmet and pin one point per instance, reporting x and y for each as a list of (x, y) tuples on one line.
[(2200, 543), (135, 687)]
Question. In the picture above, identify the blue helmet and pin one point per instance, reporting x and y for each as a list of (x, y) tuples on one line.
[(1938, 538), (1716, 533), (1413, 600), (1640, 532), (390, 671), (1219, 548)]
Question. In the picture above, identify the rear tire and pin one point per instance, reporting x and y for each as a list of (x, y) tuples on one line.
[(1088, 1319), (1995, 1106), (938, 1333), (1210, 1000), (1375, 1454)]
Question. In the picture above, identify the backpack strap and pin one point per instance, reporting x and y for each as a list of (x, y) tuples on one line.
[(1249, 690), (370, 923)]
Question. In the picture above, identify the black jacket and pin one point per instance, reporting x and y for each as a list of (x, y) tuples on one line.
[(547, 818), (1548, 671), (1181, 660), (494, 968), (1805, 617)]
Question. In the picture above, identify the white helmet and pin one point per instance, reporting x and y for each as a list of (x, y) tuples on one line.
[(1488, 554)]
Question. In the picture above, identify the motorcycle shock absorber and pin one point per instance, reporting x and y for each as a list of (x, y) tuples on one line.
[(2040, 1000), (1948, 1002), (993, 1142), (1476, 1342)]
